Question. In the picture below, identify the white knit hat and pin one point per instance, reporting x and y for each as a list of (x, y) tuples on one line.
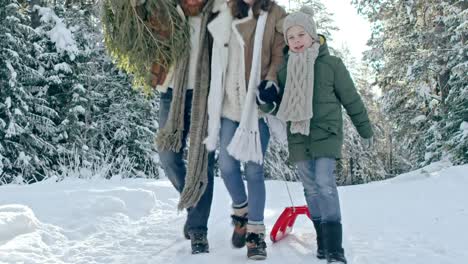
[(304, 18)]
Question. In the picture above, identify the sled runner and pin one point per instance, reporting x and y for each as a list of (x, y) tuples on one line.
[(285, 221)]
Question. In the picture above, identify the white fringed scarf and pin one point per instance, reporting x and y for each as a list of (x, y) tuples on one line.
[(245, 145)]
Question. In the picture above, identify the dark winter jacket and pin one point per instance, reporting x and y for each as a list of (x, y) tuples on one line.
[(333, 87)]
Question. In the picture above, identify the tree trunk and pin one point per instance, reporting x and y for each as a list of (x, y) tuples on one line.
[(35, 19), (443, 79)]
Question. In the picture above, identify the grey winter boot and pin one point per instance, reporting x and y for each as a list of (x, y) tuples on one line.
[(256, 246), (320, 246), (333, 238)]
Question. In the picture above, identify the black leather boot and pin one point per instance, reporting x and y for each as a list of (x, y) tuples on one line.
[(199, 242), (320, 246), (333, 239)]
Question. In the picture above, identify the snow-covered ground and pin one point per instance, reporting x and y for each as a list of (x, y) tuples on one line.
[(416, 218)]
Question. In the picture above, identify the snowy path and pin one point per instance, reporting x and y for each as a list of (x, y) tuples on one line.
[(418, 217)]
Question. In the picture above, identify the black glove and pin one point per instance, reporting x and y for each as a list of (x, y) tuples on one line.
[(267, 93)]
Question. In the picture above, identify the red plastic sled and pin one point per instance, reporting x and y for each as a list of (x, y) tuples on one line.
[(285, 222)]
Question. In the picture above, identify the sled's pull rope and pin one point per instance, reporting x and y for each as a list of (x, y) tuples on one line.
[(289, 193)]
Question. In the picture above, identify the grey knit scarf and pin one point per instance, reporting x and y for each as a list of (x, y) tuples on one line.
[(170, 136), (296, 105)]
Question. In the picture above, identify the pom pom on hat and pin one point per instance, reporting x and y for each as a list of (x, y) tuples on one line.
[(308, 10)]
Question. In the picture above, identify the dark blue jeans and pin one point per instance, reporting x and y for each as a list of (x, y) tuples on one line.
[(319, 181), (175, 168)]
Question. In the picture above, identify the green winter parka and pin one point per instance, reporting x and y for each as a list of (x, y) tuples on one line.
[(333, 88)]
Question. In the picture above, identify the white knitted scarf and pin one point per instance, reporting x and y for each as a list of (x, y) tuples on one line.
[(296, 105), (245, 144)]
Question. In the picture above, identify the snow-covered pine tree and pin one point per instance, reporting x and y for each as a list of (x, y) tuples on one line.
[(59, 58), (406, 100), (124, 120), (455, 114), (419, 48), (63, 103), (358, 164), (442, 35), (129, 117), (26, 120), (105, 120), (128, 124)]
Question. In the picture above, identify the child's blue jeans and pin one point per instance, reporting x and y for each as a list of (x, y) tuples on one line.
[(319, 181)]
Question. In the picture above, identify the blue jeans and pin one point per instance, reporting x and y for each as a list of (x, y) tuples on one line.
[(231, 172), (321, 193), (175, 168)]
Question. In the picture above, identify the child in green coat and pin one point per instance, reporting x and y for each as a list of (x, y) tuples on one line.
[(312, 87)]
